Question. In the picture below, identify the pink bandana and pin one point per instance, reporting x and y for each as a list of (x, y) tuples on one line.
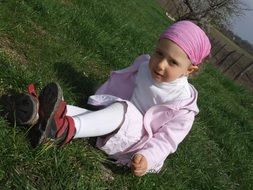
[(191, 38)]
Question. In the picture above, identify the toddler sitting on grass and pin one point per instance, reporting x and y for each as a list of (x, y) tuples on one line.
[(148, 107)]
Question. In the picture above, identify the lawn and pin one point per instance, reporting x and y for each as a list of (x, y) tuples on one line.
[(77, 43)]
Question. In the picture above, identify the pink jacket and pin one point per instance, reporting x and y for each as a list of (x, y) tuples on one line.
[(165, 125)]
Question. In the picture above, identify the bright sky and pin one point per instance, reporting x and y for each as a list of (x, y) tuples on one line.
[(243, 26)]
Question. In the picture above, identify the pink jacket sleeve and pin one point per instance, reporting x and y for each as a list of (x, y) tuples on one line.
[(121, 83), (166, 138)]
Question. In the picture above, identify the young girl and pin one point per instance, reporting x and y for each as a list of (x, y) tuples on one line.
[(148, 108)]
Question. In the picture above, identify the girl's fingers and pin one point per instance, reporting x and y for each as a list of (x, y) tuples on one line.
[(137, 158), (138, 170), (135, 164), (138, 165)]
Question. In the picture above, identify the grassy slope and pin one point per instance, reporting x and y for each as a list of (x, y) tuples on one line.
[(77, 43)]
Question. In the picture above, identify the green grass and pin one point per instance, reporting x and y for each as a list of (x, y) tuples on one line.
[(78, 43)]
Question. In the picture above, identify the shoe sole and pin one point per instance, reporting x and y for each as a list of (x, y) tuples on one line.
[(21, 108), (27, 108), (50, 98)]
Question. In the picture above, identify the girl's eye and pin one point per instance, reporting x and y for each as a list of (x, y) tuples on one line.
[(173, 62), (159, 53)]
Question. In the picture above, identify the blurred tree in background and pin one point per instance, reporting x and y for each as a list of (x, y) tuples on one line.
[(217, 12)]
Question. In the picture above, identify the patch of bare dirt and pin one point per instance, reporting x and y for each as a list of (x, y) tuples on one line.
[(66, 2), (7, 47)]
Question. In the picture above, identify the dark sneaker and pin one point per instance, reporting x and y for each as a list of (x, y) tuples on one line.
[(53, 122), (62, 127), (49, 98), (21, 108)]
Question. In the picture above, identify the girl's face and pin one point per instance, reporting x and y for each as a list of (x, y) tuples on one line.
[(169, 62)]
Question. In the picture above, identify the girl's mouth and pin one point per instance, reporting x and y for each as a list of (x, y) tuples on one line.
[(158, 74)]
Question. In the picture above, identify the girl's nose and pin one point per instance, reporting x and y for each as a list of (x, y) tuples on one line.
[(161, 65)]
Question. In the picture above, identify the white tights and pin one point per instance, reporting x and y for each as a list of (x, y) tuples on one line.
[(97, 123)]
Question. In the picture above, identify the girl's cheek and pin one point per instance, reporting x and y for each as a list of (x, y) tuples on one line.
[(153, 60)]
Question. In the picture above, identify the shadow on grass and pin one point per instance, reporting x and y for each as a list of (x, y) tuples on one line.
[(110, 163), (82, 87), (116, 169)]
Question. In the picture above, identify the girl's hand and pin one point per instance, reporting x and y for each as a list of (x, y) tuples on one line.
[(139, 165)]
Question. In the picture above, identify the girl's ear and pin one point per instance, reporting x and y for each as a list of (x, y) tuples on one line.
[(192, 69)]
